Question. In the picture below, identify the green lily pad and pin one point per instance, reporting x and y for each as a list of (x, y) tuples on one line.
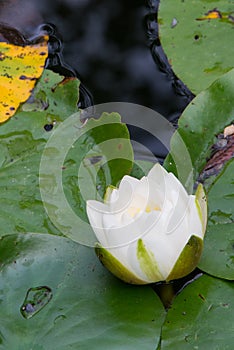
[(204, 118), (87, 309), (199, 49), (221, 197), (218, 254), (201, 317), (23, 141)]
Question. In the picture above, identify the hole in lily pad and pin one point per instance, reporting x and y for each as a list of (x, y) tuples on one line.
[(48, 127)]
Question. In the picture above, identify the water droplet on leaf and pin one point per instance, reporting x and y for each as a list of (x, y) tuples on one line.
[(174, 23), (36, 298)]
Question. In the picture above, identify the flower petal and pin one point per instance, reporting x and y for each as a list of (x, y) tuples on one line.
[(95, 211), (157, 173), (201, 202), (167, 246), (116, 267), (188, 259), (148, 263), (131, 193), (194, 219), (119, 233), (109, 193)]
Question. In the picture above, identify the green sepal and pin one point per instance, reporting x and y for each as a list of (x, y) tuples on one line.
[(201, 203), (148, 263), (188, 259), (116, 267)]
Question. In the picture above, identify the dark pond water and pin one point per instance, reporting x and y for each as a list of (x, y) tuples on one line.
[(107, 43), (114, 47)]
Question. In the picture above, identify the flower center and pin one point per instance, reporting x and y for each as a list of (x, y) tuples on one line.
[(133, 211)]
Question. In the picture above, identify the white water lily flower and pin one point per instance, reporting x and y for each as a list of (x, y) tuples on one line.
[(149, 230)]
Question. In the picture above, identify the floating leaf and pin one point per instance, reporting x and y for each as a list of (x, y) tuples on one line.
[(200, 46), (20, 67), (22, 142), (201, 317), (204, 118), (218, 254), (90, 309), (215, 13)]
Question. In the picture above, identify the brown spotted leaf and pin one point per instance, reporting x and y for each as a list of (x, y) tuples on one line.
[(20, 67)]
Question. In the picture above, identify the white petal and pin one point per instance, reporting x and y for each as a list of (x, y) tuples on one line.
[(159, 250), (201, 203), (158, 173), (194, 220), (118, 234), (122, 254), (167, 247), (95, 211), (178, 211), (175, 191), (131, 197)]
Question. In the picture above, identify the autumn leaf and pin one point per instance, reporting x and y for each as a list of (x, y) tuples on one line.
[(20, 67)]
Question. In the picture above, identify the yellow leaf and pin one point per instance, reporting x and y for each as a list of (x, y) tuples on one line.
[(20, 67)]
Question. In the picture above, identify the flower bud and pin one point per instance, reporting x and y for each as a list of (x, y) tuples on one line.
[(149, 230)]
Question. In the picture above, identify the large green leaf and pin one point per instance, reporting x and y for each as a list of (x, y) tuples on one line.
[(201, 122), (218, 255), (23, 139), (201, 317), (89, 308), (204, 118), (198, 50)]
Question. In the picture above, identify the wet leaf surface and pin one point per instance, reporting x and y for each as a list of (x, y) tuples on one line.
[(90, 309), (218, 255), (194, 320), (22, 142), (199, 47), (200, 124)]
